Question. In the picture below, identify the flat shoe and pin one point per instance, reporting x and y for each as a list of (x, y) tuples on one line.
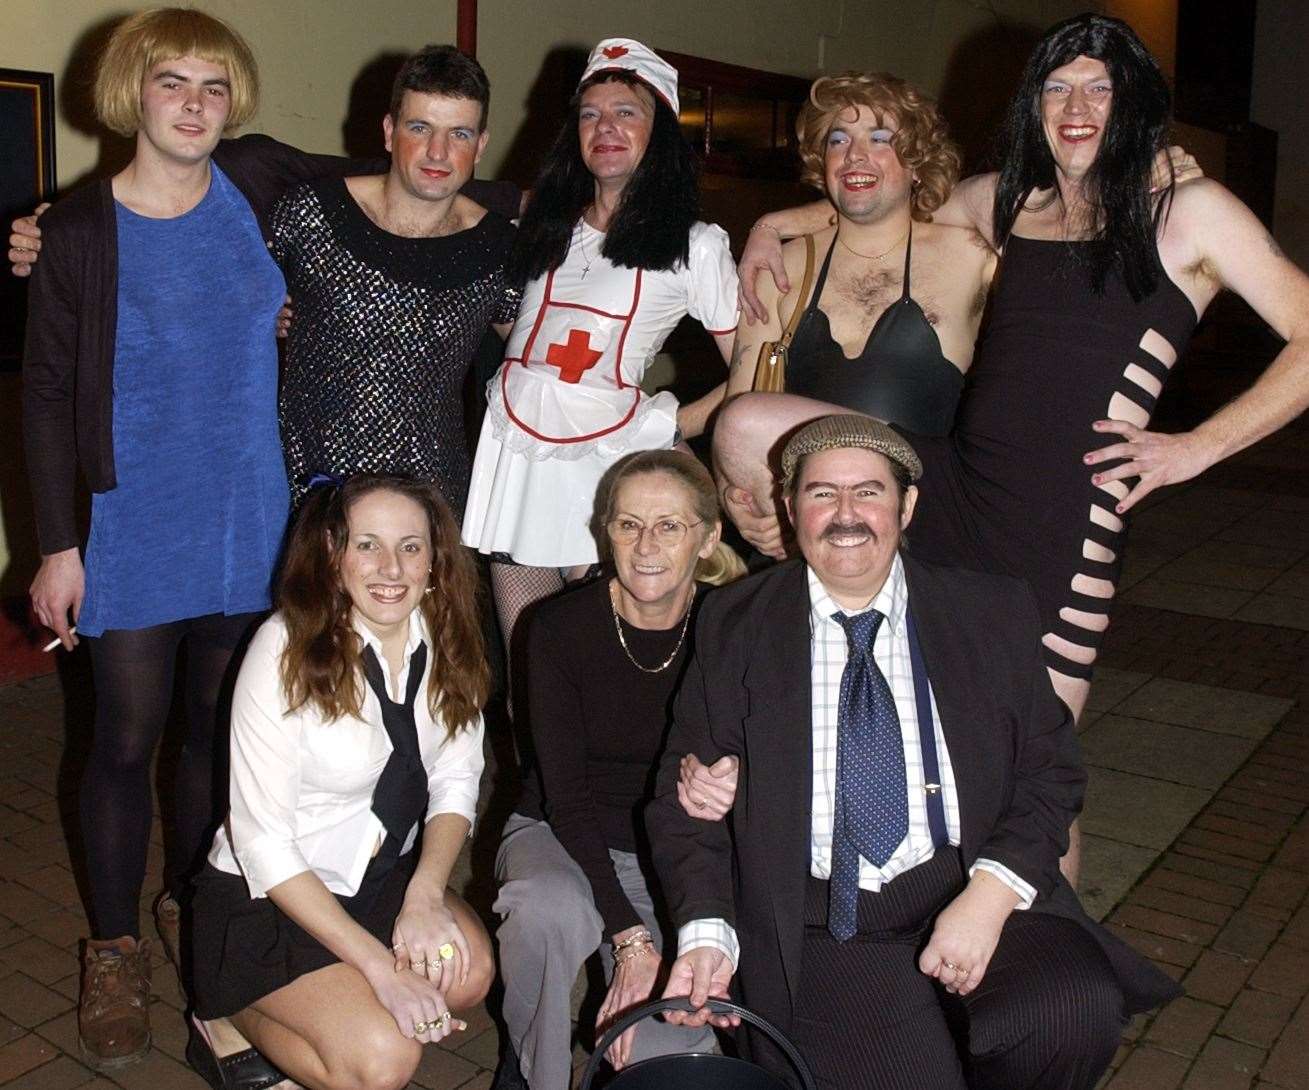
[(248, 1069)]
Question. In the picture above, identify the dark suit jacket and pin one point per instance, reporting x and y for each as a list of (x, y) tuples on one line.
[(1017, 768)]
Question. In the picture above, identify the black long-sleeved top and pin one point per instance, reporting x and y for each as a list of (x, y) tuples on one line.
[(598, 727)]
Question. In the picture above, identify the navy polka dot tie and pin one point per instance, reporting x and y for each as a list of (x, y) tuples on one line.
[(872, 807)]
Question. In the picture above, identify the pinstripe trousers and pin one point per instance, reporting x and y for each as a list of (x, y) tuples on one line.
[(1047, 1016)]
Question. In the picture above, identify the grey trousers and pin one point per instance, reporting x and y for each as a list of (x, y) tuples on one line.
[(550, 927)]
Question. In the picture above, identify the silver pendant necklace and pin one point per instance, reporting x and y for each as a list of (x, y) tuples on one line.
[(581, 242), (618, 627)]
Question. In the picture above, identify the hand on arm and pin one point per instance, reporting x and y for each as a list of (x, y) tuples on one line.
[(25, 241), (707, 791), (1226, 246), (966, 933), (57, 593)]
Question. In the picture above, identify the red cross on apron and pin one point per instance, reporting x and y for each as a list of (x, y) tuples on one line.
[(574, 357)]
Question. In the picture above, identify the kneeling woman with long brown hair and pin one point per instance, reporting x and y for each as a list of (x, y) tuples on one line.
[(323, 935)]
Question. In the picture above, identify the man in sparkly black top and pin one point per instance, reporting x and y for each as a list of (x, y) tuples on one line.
[(395, 279)]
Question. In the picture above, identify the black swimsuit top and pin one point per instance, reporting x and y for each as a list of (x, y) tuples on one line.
[(901, 375)]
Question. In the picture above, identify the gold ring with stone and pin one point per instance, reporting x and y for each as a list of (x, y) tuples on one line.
[(447, 951), (420, 1027), (416, 965), (444, 1018), (951, 966)]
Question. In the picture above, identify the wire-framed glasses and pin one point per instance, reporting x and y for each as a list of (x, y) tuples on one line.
[(625, 530)]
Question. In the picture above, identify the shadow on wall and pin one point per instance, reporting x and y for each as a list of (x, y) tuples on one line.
[(78, 107), (547, 107), (370, 99), (980, 79)]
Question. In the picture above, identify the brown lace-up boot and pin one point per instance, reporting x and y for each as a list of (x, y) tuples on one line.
[(113, 1019)]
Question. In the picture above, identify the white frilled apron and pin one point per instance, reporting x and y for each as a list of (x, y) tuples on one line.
[(567, 401)]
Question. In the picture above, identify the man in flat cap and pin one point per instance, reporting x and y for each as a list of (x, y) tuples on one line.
[(887, 888)]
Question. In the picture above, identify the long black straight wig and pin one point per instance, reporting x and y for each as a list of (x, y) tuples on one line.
[(1126, 215), (651, 228)]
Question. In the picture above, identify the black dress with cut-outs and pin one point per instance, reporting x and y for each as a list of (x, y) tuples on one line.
[(1007, 490)]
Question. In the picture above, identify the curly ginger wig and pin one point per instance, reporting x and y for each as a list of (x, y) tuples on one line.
[(921, 141)]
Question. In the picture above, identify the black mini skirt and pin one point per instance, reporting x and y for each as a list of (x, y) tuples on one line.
[(244, 948)]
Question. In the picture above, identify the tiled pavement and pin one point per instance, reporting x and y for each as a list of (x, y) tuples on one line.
[(1196, 831)]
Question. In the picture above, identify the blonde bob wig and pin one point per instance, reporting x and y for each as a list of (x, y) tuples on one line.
[(147, 38), (921, 138)]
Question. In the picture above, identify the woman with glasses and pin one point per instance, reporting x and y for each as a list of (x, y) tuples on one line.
[(604, 661)]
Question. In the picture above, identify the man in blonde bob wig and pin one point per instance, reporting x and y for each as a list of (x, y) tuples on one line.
[(150, 37)]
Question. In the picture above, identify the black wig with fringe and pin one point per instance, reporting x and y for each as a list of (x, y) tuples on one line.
[(651, 228), (1118, 183)]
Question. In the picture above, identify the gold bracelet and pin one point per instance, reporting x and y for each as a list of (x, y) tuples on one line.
[(631, 940), (638, 951)]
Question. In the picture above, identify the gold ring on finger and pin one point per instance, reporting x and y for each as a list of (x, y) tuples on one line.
[(447, 951), (444, 1018), (417, 965), (420, 1027)]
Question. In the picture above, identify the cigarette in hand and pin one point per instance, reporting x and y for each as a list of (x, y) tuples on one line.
[(57, 640)]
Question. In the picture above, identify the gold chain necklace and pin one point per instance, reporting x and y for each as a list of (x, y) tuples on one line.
[(618, 627), (871, 257)]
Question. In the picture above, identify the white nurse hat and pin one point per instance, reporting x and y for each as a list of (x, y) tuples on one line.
[(627, 55)]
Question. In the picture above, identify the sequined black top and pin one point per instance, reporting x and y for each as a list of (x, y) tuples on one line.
[(384, 331)]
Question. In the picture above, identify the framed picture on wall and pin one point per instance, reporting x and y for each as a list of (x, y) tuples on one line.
[(27, 177)]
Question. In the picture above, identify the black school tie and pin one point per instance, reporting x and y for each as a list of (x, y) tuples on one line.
[(400, 797)]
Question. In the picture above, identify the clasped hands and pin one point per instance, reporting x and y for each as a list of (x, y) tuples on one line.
[(429, 956)]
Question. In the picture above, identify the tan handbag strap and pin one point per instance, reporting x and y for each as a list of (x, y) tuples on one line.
[(802, 299)]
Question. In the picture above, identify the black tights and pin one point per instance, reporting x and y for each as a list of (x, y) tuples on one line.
[(133, 672)]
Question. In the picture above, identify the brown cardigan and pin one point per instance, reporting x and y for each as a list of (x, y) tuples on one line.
[(72, 320)]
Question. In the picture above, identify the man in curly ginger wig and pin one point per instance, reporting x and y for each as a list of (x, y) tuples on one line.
[(888, 323)]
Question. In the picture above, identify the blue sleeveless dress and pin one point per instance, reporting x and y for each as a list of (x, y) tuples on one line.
[(195, 523)]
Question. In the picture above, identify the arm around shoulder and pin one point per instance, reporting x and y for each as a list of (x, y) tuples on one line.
[(971, 204), (774, 305)]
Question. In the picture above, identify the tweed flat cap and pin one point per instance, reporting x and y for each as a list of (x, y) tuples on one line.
[(849, 430)]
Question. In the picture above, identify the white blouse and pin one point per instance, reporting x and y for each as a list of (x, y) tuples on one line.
[(302, 788)]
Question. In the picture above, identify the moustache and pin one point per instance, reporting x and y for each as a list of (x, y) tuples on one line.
[(839, 529)]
